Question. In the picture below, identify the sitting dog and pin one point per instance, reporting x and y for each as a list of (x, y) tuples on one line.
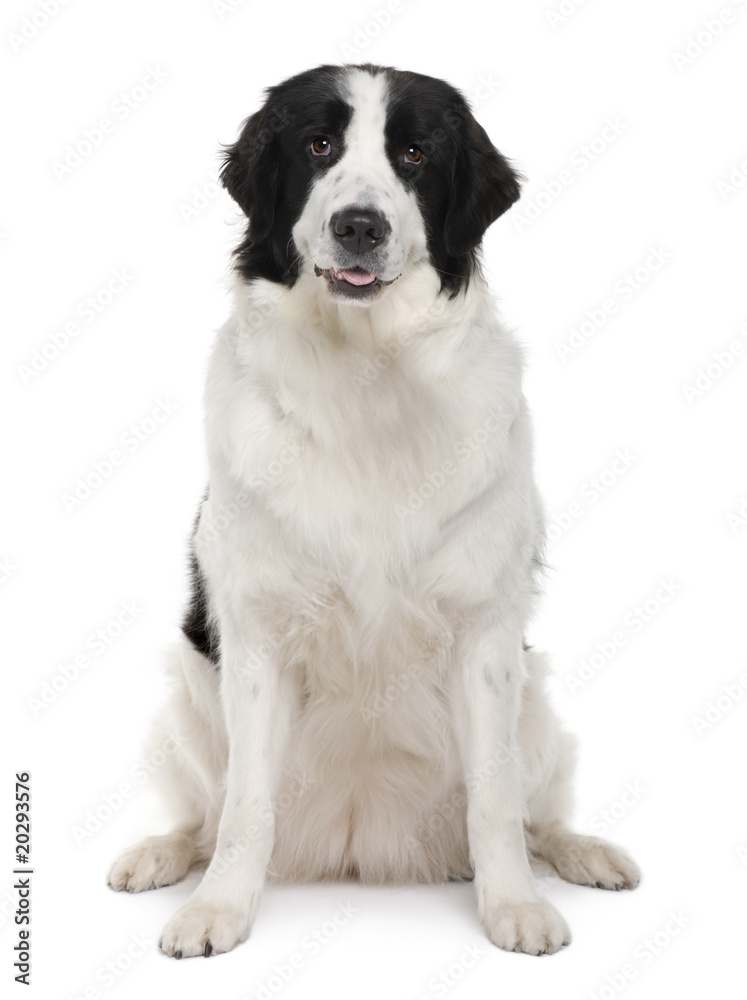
[(353, 694)]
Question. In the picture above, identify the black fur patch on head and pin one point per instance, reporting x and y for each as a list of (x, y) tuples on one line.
[(462, 185), (268, 172)]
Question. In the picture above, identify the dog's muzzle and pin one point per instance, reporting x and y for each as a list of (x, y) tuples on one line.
[(360, 233)]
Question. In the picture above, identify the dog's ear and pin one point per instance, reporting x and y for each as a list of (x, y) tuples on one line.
[(250, 170), (483, 186)]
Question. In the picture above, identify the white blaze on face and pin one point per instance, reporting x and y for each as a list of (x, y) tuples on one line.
[(363, 178)]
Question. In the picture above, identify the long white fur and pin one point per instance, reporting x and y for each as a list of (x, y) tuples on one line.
[(375, 714)]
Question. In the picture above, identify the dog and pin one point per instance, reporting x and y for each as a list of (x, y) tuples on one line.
[(353, 696)]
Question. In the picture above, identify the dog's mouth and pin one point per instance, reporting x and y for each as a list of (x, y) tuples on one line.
[(353, 282)]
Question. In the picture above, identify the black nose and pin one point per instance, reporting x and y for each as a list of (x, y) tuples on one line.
[(359, 229)]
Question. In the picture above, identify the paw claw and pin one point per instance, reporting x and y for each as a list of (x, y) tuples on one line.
[(199, 928), (590, 861), (535, 928)]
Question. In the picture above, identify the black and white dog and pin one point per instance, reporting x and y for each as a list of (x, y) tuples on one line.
[(353, 696)]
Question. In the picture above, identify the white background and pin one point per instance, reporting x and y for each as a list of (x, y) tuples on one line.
[(143, 200)]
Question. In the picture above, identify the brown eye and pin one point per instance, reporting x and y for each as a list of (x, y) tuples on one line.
[(414, 155), (321, 146)]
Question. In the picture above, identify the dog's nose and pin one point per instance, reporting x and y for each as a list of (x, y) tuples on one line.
[(359, 229)]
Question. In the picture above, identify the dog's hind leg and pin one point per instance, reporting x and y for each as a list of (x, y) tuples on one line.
[(189, 744), (154, 862), (549, 756), (585, 860)]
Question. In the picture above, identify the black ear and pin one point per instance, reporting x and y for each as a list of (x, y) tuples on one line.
[(484, 186), (249, 171)]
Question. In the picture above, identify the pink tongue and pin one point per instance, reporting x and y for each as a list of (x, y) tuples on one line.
[(358, 277)]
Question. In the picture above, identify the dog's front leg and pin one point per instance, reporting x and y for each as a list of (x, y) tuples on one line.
[(258, 700), (513, 913)]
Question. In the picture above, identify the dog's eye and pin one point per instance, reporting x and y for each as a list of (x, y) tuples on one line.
[(321, 146), (414, 154)]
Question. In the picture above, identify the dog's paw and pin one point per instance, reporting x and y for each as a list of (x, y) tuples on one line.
[(199, 928), (154, 862), (591, 861), (534, 927)]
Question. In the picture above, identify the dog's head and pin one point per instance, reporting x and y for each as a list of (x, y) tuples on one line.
[(357, 173)]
